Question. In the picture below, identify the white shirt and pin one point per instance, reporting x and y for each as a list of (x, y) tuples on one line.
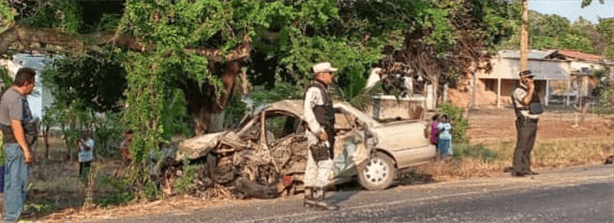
[(517, 96), (373, 77), (313, 98), (85, 156)]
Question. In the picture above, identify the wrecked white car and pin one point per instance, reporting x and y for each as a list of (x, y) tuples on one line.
[(267, 153)]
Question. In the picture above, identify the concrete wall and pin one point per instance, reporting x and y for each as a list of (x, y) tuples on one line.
[(487, 91), (508, 68), (390, 107), (578, 65)]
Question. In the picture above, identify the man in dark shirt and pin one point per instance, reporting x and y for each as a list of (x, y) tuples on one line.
[(14, 113)]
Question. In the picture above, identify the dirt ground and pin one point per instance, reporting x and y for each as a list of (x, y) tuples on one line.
[(57, 196), (492, 125)]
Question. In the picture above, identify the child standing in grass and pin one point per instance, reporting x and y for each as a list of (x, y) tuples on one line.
[(444, 141), (434, 129)]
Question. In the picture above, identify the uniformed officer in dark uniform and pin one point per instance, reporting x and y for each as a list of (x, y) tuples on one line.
[(320, 118), (527, 108)]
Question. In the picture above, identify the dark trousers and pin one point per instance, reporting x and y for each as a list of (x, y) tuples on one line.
[(526, 130), (84, 169)]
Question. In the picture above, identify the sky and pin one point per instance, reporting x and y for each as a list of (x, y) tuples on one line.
[(571, 9)]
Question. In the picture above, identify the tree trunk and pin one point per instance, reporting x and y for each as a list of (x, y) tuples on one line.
[(203, 104)]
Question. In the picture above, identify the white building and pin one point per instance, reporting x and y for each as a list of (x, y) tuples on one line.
[(554, 72), (41, 98)]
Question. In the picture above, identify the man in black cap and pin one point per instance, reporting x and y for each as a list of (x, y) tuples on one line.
[(527, 108)]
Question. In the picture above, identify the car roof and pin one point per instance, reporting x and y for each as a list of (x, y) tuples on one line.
[(295, 106)]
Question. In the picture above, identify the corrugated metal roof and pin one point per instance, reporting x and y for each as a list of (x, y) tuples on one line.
[(576, 54), (533, 54)]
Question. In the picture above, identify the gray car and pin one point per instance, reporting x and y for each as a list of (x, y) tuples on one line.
[(270, 147)]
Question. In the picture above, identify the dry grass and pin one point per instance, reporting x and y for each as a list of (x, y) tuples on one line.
[(546, 153), (181, 203), (56, 181)]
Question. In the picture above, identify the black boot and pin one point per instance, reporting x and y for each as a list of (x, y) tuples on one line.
[(308, 200), (321, 200)]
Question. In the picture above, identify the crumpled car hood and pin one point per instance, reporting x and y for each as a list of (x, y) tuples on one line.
[(194, 148)]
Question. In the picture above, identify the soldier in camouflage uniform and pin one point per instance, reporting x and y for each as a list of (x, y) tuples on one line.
[(320, 118)]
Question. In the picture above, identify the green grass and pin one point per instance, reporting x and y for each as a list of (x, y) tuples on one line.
[(186, 180), (479, 152), (42, 208)]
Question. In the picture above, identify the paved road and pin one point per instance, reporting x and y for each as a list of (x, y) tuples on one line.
[(580, 194)]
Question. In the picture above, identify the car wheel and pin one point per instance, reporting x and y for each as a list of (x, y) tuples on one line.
[(377, 173)]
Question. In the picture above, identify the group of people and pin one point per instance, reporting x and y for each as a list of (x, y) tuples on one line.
[(441, 135), (18, 139), (319, 115), (527, 107)]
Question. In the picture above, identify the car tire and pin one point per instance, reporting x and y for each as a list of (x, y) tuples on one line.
[(377, 173)]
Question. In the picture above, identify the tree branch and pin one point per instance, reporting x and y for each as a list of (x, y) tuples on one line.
[(37, 39)]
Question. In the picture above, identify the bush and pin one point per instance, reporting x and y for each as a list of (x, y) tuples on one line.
[(121, 195), (476, 151), (460, 124), (186, 180)]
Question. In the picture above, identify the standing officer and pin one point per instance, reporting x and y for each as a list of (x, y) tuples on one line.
[(320, 118), (14, 114), (526, 123)]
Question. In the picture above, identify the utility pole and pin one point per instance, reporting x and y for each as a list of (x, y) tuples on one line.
[(524, 37)]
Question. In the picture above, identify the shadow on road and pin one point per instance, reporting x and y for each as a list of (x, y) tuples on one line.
[(344, 191), (414, 178)]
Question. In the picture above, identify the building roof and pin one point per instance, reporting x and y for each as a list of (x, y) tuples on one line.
[(578, 55), (533, 54)]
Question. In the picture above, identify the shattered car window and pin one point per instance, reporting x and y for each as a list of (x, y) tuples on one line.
[(281, 125)]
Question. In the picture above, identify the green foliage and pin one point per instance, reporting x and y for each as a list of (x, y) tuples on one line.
[(282, 90), (605, 28), (6, 15), (556, 32), (460, 124), (115, 199), (498, 20), (480, 151), (143, 115), (46, 207), (107, 131), (606, 97), (122, 195), (548, 25), (71, 16), (186, 180), (287, 38), (64, 15), (6, 78), (95, 82), (588, 2), (175, 119), (104, 128), (576, 41), (235, 111)]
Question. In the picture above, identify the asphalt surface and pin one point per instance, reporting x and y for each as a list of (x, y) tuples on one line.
[(578, 194)]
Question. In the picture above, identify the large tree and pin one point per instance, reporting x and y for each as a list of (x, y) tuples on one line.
[(199, 48)]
